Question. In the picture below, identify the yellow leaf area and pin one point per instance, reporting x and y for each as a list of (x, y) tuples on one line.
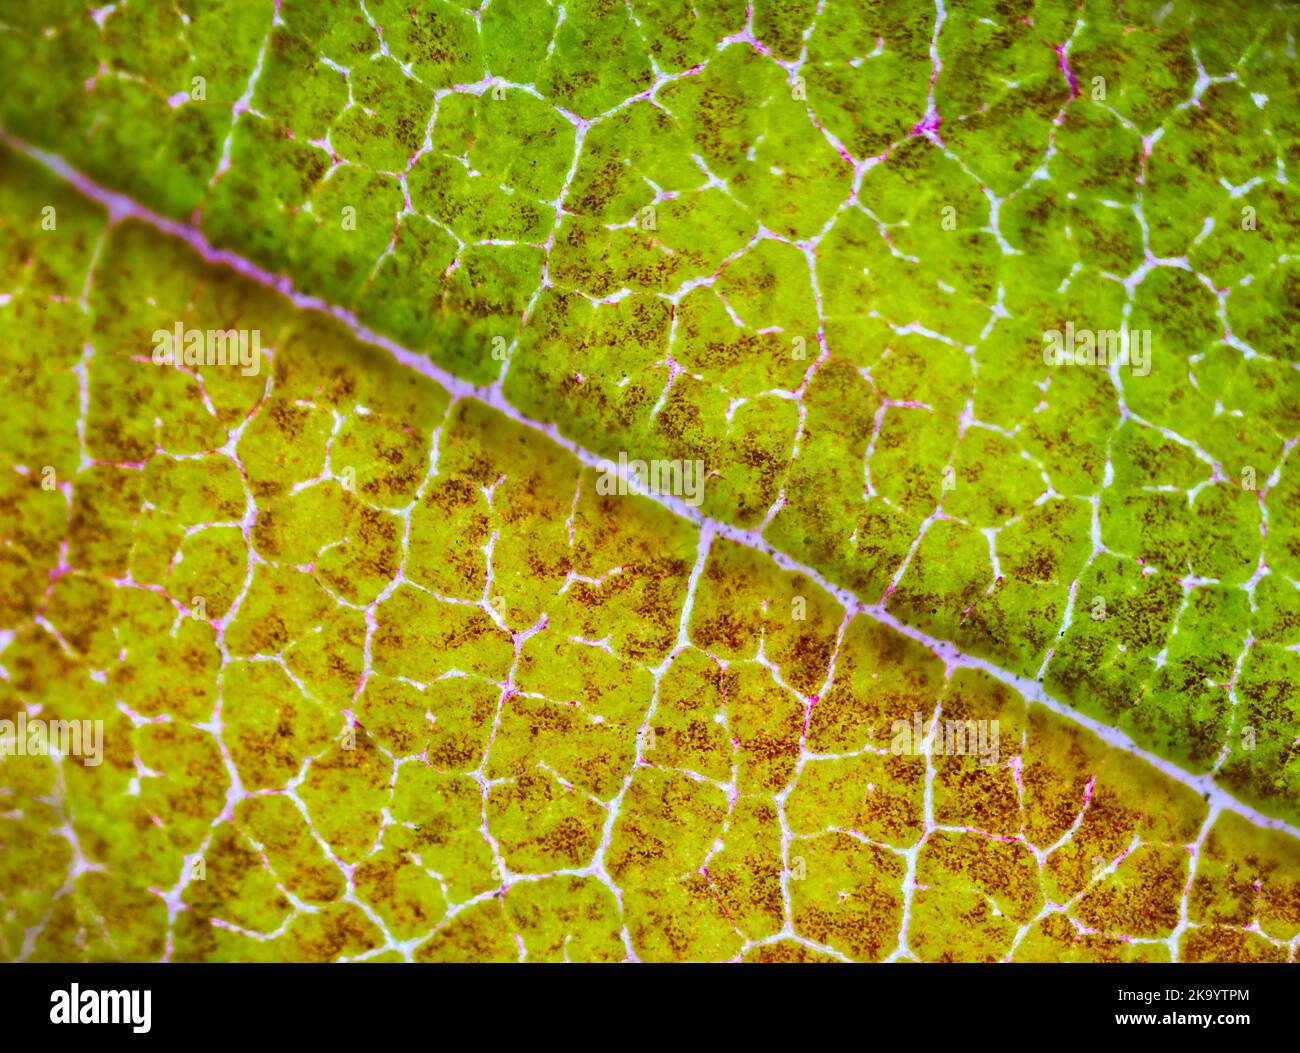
[(382, 676)]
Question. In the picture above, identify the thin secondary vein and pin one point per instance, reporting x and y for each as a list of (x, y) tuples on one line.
[(120, 207)]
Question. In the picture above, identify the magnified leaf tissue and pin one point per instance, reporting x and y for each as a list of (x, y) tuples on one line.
[(634, 480)]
